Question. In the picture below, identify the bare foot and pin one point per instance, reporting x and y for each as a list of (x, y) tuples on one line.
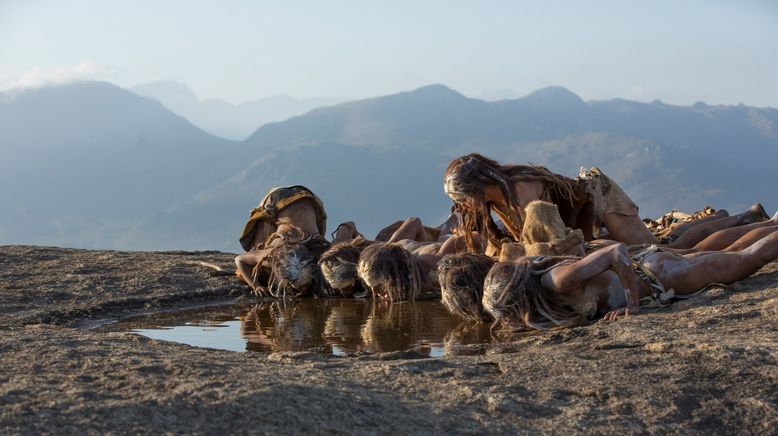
[(755, 214), (447, 226), (349, 232)]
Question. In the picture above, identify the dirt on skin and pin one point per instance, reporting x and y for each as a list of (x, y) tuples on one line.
[(706, 365)]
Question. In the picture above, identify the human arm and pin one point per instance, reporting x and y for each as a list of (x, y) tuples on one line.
[(245, 265), (573, 277)]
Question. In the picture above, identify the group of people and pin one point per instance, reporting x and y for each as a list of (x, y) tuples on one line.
[(523, 247)]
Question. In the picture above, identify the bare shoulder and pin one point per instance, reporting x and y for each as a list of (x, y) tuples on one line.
[(527, 191)]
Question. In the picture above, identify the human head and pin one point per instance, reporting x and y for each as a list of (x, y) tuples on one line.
[(339, 266), (468, 177), (293, 268), (465, 182), (461, 278), (391, 272), (515, 298)]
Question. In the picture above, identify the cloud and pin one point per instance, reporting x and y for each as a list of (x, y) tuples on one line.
[(38, 76)]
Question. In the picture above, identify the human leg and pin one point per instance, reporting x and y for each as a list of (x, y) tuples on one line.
[(701, 231), (676, 230), (751, 238), (345, 232), (687, 274), (245, 264), (412, 229), (725, 238), (628, 229)]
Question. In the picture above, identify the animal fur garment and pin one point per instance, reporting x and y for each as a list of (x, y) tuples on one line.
[(274, 202), (545, 234)]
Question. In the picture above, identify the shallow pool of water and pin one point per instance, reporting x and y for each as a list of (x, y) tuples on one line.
[(327, 326)]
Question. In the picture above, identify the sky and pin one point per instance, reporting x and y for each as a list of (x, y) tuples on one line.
[(680, 52)]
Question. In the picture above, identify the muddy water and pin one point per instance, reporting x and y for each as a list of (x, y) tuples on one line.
[(327, 326)]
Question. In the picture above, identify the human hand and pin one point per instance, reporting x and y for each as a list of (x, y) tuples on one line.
[(615, 314), (260, 291)]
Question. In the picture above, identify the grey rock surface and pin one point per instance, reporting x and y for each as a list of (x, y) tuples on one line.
[(706, 365)]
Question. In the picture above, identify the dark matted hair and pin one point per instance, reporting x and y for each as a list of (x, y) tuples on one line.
[(461, 278), (294, 270), (467, 177), (516, 299), (338, 265), (392, 272)]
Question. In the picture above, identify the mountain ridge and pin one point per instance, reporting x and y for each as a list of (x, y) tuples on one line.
[(225, 119), (372, 161)]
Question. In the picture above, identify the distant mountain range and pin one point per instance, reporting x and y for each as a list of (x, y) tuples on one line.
[(93, 165), (225, 119)]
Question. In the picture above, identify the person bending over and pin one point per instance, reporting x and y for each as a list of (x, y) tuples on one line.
[(549, 243), (339, 263), (404, 268), (283, 239), (481, 186)]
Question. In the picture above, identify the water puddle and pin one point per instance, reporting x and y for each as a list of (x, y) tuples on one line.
[(326, 326)]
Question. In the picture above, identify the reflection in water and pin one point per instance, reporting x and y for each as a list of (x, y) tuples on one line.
[(333, 326)]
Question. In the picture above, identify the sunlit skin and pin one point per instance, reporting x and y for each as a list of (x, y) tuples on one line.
[(300, 215), (627, 229), (430, 252), (606, 274), (343, 233), (697, 233), (412, 237), (621, 226), (734, 238)]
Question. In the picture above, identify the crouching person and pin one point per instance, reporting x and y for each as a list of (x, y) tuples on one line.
[(283, 239)]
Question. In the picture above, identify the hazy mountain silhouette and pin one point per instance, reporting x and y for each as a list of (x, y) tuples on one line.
[(382, 159), (83, 161), (226, 119), (498, 94), (376, 160)]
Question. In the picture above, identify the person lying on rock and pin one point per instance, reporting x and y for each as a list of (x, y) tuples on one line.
[(540, 293), (283, 239), (583, 287), (461, 277), (482, 186), (404, 267), (339, 263)]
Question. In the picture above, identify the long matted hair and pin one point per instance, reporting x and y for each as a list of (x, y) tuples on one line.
[(461, 278), (294, 270), (466, 179), (338, 265), (516, 299), (392, 272)]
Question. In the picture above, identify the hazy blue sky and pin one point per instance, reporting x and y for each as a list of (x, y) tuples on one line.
[(677, 51)]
